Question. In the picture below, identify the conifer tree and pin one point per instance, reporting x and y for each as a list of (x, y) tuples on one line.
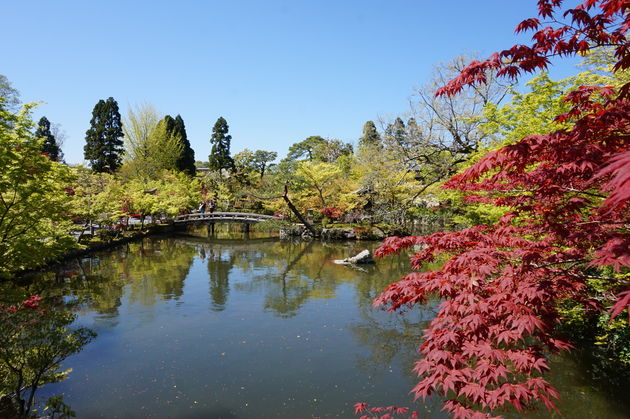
[(50, 143), (370, 136), (186, 162), (104, 144), (220, 155)]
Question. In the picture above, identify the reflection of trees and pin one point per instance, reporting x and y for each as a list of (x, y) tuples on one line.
[(219, 266), (36, 339), (152, 269), (388, 335), (289, 294), (291, 273), (161, 273)]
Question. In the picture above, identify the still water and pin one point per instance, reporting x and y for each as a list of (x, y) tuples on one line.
[(259, 328)]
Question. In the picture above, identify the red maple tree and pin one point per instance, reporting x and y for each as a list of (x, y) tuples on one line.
[(568, 194)]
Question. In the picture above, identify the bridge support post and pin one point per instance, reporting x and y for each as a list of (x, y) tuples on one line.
[(210, 227), (245, 228)]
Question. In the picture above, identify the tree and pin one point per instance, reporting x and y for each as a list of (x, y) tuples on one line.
[(140, 124), (220, 158), (567, 192), (370, 137), (104, 144), (305, 148), (186, 161), (316, 148), (34, 202), (50, 143), (262, 159), (331, 150), (152, 144), (320, 177), (92, 200), (258, 161), (35, 341), (9, 96), (443, 131), (176, 128), (395, 134)]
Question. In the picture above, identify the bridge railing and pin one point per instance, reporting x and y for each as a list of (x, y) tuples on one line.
[(225, 216)]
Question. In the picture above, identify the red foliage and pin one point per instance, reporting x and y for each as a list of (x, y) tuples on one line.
[(569, 194), (32, 302), (388, 412), (332, 213), (592, 24)]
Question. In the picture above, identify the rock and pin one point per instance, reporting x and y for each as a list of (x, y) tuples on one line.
[(378, 233), (362, 258), (338, 234)]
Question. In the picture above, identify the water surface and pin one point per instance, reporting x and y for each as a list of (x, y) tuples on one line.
[(198, 328)]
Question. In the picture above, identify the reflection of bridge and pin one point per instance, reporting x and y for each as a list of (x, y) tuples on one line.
[(223, 217)]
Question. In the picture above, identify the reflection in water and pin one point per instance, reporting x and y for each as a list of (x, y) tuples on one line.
[(36, 336), (220, 262), (191, 327)]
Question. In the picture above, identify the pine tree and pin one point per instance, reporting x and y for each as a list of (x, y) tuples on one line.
[(220, 155), (186, 162), (50, 143), (104, 144), (370, 137)]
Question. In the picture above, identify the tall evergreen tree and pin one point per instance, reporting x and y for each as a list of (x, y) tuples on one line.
[(104, 143), (220, 155), (186, 162), (50, 143), (175, 127), (370, 136)]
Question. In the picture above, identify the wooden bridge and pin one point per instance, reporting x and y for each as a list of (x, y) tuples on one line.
[(223, 217)]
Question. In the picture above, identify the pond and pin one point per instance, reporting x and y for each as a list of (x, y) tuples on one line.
[(260, 328)]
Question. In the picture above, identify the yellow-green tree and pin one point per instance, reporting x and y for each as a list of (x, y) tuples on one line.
[(34, 202), (149, 145)]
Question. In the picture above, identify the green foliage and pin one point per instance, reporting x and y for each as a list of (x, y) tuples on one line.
[(319, 180), (590, 327), (56, 408), (35, 341), (248, 163), (305, 149), (186, 161), (528, 112), (272, 225), (395, 133), (50, 143), (92, 196), (169, 193), (534, 111), (319, 149), (370, 136), (151, 144), (174, 128), (9, 96), (34, 203), (104, 144), (220, 158)]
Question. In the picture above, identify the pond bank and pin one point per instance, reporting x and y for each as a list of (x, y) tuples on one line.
[(347, 233), (103, 245)]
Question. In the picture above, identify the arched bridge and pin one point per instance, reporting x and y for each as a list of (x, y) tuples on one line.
[(223, 217)]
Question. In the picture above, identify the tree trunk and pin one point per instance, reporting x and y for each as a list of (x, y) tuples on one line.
[(297, 213)]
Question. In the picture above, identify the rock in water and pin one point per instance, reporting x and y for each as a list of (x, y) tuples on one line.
[(362, 257)]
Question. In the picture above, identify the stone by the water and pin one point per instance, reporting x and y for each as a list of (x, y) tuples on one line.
[(362, 258)]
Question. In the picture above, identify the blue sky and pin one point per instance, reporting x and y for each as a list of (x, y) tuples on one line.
[(277, 71)]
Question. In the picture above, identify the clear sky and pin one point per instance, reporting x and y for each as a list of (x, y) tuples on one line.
[(277, 71)]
